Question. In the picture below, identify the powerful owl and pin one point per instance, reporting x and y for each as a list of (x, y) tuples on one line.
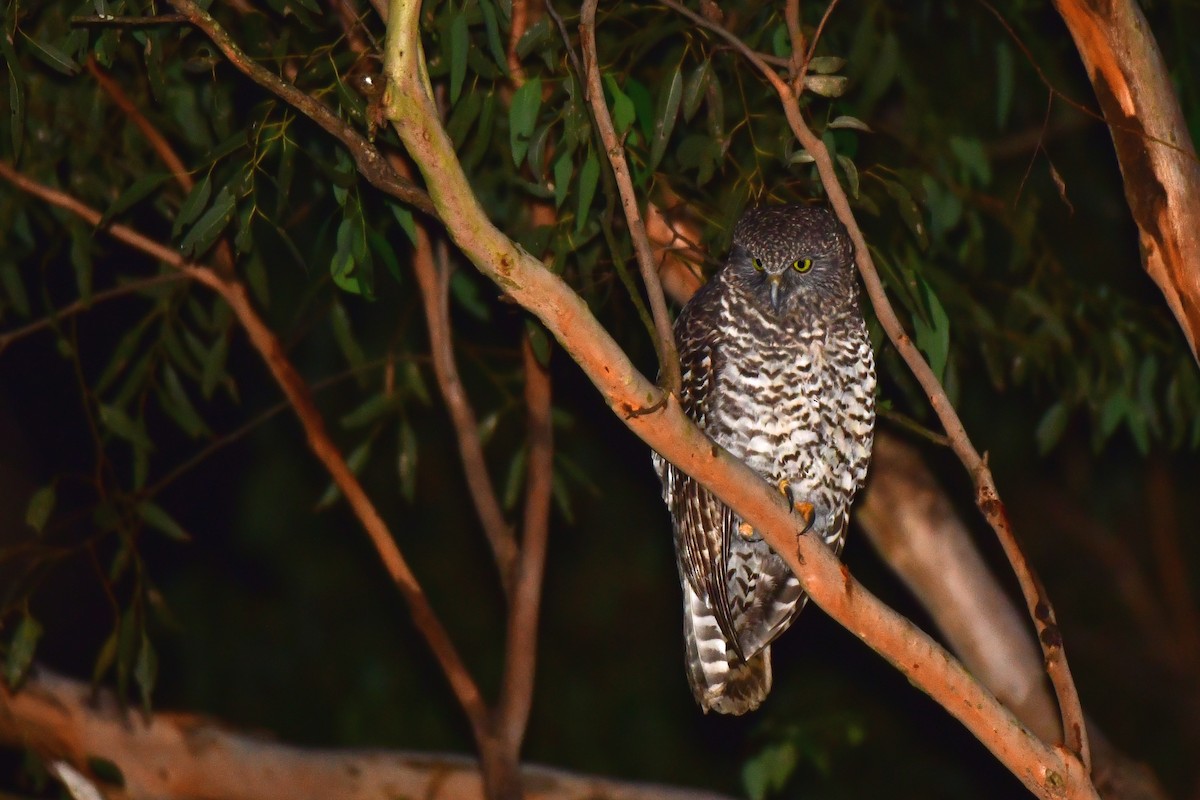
[(777, 368)]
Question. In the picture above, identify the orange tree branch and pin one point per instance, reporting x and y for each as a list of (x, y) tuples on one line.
[(297, 392), (1048, 771), (668, 359), (1155, 152), (179, 756), (367, 158), (986, 495), (434, 284), (516, 691), (223, 252)]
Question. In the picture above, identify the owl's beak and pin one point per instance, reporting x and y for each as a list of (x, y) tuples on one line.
[(775, 281)]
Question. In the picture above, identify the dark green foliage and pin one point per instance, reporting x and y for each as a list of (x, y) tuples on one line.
[(1030, 303)]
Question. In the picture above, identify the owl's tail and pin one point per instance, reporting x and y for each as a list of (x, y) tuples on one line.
[(721, 681)]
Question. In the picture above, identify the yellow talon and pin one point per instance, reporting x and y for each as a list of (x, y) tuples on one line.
[(805, 510), (746, 530)]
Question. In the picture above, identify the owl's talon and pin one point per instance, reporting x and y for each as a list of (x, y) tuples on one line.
[(807, 513), (746, 530)]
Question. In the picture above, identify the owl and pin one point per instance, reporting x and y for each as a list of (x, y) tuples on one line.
[(777, 368)]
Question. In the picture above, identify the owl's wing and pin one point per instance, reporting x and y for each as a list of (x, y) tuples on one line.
[(702, 522)]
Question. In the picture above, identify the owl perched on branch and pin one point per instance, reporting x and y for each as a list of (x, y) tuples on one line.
[(777, 368)]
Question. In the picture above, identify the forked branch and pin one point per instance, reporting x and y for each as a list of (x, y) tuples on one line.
[(268, 346), (986, 495), (1047, 771)]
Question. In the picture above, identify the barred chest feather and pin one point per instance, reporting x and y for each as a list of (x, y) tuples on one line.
[(796, 401)]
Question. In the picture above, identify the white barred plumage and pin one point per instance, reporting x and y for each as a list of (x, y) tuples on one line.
[(777, 368)]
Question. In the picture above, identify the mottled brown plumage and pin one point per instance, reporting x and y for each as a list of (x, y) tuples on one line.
[(777, 368)]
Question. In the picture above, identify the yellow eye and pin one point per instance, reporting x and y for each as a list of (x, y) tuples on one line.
[(802, 264), (758, 265)]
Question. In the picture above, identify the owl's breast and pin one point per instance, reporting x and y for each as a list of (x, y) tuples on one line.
[(800, 408)]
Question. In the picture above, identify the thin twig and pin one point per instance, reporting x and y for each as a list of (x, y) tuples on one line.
[(434, 284), (271, 350), (520, 19), (520, 663), (986, 496), (224, 251), (1048, 771), (371, 164), (84, 304), (668, 359)]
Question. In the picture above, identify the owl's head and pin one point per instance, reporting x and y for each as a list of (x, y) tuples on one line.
[(793, 258)]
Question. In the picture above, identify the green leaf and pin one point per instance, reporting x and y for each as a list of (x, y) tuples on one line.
[(52, 57), (406, 462), (355, 462), (213, 366), (538, 342), (973, 157), (492, 26), (459, 43), (14, 288), (564, 168), (40, 507), (910, 212), (665, 115), (116, 420), (405, 217), (516, 477), (826, 65), (522, 117), (695, 87), (156, 517), (16, 93), (826, 85), (16, 112), (341, 267), (136, 192), (851, 173), (375, 407), (770, 770), (623, 111), (208, 228), (179, 406), (1004, 82), (933, 337), (465, 291), (383, 250), (589, 178), (81, 260), (21, 649), (845, 121), (145, 671), (1051, 427), (343, 333)]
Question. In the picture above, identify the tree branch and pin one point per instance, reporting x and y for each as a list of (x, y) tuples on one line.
[(914, 527), (179, 756), (84, 304), (668, 359), (271, 350), (520, 663), (370, 163), (434, 284), (1045, 770), (986, 495), (1156, 155), (223, 252)]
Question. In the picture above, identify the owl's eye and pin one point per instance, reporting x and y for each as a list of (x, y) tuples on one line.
[(802, 264), (758, 265)]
